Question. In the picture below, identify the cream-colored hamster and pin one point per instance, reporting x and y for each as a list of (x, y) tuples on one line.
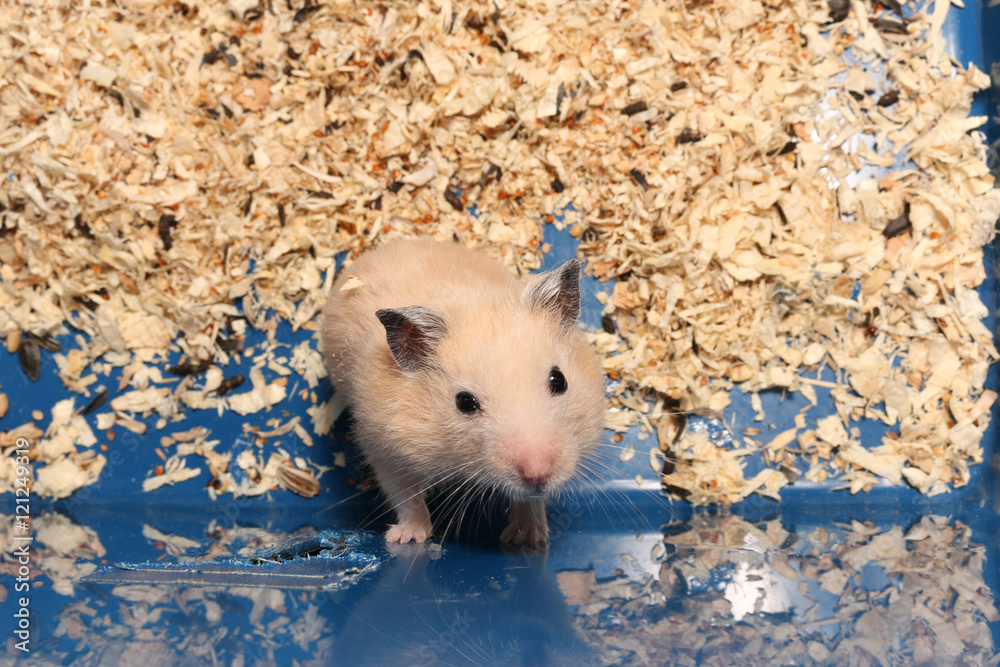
[(458, 372)]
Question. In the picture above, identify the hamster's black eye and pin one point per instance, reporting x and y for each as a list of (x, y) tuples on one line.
[(557, 381), (467, 403)]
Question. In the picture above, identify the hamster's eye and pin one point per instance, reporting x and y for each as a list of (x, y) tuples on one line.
[(467, 403), (557, 381)]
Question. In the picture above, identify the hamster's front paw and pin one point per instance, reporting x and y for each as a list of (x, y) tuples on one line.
[(532, 535), (413, 530), (528, 524)]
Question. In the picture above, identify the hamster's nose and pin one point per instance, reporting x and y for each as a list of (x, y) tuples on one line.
[(535, 483)]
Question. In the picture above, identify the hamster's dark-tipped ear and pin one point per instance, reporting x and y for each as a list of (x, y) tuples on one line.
[(412, 333), (558, 291)]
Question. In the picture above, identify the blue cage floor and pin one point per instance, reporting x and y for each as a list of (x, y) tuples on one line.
[(630, 577)]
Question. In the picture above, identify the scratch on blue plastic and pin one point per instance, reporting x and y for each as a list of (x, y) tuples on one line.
[(327, 559)]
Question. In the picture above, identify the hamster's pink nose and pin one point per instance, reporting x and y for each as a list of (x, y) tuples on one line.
[(534, 461), (534, 473)]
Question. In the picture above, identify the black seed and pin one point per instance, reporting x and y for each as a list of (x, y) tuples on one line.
[(190, 367), (226, 111), (231, 345), (891, 5), (678, 491), (496, 45), (856, 95), (891, 26), (414, 54), (229, 384), (791, 474), (639, 178), (117, 97), (247, 205), (839, 9), (452, 196), (395, 186), (781, 214), (31, 359), (46, 342), (212, 57), (590, 235), (889, 98), (81, 226), (322, 194), (900, 225), (86, 303), (304, 13), (493, 172), (688, 136), (608, 324), (375, 204), (164, 228), (560, 94), (679, 85), (659, 233), (281, 214), (557, 186), (788, 147), (96, 402), (634, 108)]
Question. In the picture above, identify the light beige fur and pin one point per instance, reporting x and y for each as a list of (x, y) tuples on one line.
[(495, 347)]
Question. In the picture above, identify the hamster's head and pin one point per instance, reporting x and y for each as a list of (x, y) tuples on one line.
[(511, 394)]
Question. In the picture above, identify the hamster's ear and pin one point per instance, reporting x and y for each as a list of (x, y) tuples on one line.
[(412, 333), (558, 291)]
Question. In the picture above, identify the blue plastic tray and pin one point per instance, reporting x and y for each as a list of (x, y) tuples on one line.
[(117, 576)]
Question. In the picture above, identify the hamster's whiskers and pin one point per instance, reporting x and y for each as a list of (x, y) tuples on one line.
[(464, 500), (372, 516), (636, 451), (592, 466), (599, 491)]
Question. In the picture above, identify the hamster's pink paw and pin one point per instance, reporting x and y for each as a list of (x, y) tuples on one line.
[(528, 524), (530, 535), (412, 531)]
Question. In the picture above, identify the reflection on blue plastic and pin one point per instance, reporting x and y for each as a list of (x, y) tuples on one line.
[(713, 427)]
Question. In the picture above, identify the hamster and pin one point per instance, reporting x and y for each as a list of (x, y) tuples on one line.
[(457, 371)]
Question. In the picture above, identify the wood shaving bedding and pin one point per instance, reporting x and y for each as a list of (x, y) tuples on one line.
[(163, 163)]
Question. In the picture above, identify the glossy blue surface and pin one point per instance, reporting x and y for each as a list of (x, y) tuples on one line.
[(467, 601)]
